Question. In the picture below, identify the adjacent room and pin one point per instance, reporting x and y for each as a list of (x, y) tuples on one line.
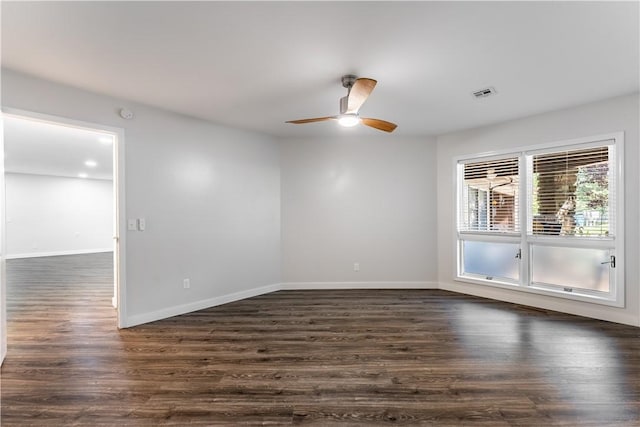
[(323, 213)]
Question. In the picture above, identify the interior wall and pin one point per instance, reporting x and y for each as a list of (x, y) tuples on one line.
[(210, 196), (52, 215), (609, 116), (366, 200)]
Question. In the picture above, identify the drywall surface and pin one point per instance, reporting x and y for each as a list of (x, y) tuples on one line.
[(50, 215), (608, 116), (210, 196), (359, 200)]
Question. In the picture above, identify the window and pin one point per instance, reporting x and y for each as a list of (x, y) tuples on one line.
[(565, 240), (570, 192), (490, 192)]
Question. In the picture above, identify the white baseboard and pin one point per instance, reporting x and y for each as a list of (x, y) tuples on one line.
[(577, 308), (357, 285), (58, 253), (565, 307), (165, 313)]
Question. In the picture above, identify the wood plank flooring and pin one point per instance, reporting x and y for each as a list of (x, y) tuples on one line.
[(362, 357)]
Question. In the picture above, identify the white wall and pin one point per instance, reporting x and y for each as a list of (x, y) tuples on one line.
[(613, 115), (366, 200), (51, 215), (210, 196)]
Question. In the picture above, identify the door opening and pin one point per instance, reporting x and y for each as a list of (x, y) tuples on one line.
[(63, 194)]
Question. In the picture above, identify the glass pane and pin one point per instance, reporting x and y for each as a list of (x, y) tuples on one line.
[(570, 192), (579, 268), (490, 259), (489, 199)]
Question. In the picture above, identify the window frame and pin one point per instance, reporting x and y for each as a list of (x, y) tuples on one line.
[(614, 243)]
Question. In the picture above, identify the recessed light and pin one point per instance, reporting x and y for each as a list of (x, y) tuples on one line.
[(91, 163), (82, 175)]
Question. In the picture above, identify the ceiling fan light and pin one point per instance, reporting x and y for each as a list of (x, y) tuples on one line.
[(349, 120)]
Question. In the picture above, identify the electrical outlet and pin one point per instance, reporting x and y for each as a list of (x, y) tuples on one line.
[(186, 283), (356, 266)]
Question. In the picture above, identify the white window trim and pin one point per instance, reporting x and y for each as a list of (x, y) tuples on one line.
[(617, 296)]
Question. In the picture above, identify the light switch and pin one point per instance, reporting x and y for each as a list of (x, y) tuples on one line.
[(132, 225), (142, 224)]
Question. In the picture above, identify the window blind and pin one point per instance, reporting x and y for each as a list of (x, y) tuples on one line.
[(489, 196), (572, 192)]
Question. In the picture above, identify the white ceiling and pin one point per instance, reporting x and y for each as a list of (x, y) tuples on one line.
[(255, 65), (48, 149)]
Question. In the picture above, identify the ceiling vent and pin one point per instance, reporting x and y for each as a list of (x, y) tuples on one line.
[(483, 93)]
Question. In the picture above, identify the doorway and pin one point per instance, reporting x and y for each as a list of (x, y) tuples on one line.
[(63, 196)]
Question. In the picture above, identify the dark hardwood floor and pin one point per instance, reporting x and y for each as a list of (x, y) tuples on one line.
[(362, 357)]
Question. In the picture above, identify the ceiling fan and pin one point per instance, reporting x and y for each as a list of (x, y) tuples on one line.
[(358, 90)]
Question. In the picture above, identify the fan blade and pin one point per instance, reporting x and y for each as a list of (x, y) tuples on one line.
[(359, 93), (317, 119), (379, 124)]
